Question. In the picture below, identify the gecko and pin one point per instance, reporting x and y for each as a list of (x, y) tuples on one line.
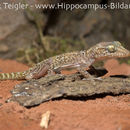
[(80, 60)]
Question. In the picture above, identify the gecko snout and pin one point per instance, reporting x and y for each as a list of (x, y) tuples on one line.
[(123, 52)]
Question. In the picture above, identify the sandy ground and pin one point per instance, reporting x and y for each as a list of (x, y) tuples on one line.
[(107, 113)]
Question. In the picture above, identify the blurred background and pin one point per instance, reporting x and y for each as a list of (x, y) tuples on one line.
[(31, 35)]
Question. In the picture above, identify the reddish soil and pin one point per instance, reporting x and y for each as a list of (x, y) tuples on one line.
[(108, 113)]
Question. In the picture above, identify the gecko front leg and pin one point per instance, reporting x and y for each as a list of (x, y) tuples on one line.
[(82, 70)]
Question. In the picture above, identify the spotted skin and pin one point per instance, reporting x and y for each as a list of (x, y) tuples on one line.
[(81, 60)]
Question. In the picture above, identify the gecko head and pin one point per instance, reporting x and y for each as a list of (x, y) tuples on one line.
[(113, 49)]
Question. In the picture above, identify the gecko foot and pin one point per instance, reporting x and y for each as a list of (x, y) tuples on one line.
[(93, 79)]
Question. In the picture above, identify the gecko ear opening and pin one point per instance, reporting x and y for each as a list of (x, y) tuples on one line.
[(111, 48)]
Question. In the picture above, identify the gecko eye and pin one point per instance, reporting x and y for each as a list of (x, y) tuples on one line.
[(111, 48)]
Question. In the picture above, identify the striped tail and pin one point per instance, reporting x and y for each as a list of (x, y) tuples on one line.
[(16, 75)]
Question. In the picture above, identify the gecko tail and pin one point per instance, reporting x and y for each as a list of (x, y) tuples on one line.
[(16, 75)]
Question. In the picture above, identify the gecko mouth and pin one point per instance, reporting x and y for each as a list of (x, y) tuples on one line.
[(123, 54), (118, 54)]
